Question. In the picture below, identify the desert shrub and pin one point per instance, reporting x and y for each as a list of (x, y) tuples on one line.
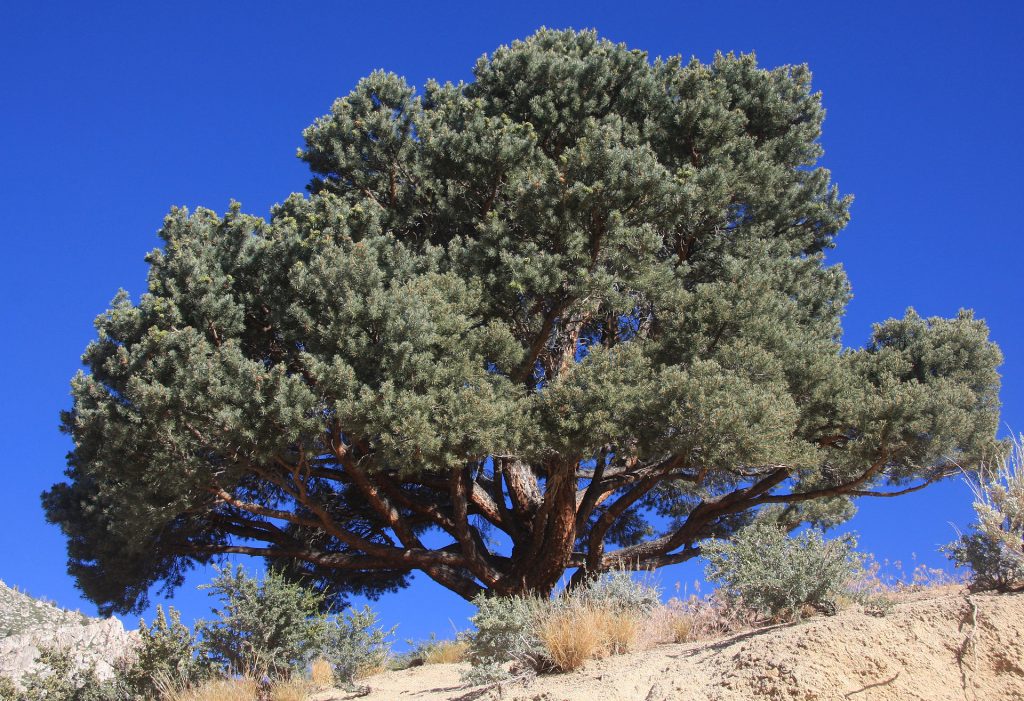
[(696, 618), (994, 549), (446, 652), (505, 632), (619, 630), (617, 591), (999, 502), (269, 626), (777, 575), (517, 635), (165, 649), (992, 566), (8, 689), (355, 646), (432, 651), (294, 689), (571, 635)]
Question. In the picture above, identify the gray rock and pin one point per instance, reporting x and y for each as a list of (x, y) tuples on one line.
[(28, 625)]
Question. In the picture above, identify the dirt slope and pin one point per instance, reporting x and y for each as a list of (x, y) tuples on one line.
[(948, 647)]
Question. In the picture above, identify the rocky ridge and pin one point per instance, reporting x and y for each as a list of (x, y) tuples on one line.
[(28, 624)]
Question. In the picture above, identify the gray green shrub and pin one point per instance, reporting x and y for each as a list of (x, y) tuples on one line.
[(776, 574), (505, 633), (506, 641), (617, 591), (354, 643), (994, 549)]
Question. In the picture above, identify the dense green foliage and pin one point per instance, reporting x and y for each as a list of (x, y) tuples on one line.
[(776, 575), (264, 626), (165, 650), (992, 567), (581, 300)]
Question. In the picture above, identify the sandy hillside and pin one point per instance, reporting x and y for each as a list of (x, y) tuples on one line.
[(948, 646)]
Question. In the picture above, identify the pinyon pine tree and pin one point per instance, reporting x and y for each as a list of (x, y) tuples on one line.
[(572, 315)]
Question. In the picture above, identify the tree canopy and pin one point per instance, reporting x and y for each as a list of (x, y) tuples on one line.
[(572, 315)]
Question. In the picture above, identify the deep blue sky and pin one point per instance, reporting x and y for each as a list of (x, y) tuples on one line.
[(111, 113)]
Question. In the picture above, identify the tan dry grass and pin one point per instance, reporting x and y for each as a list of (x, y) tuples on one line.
[(321, 673), (696, 619), (371, 670), (291, 690), (620, 631), (575, 634), (447, 652), (243, 689)]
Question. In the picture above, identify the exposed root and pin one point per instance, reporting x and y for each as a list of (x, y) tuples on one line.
[(969, 644)]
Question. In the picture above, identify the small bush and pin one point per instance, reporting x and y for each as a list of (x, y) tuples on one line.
[(617, 591), (294, 689), (447, 652), (167, 648), (994, 550), (683, 621), (506, 632), (524, 635), (992, 567), (220, 689), (8, 689), (268, 626), (432, 651), (573, 635), (355, 646), (60, 678), (619, 630), (777, 575)]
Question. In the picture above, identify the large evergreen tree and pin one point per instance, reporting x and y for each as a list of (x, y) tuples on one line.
[(574, 314)]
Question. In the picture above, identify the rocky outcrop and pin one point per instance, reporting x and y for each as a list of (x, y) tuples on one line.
[(29, 625)]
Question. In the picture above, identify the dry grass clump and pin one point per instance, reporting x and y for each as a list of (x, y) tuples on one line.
[(370, 669), (291, 690), (447, 652), (574, 634), (244, 689), (321, 673), (619, 630), (878, 587), (695, 618)]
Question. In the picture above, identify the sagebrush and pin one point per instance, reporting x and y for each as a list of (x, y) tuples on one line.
[(778, 575)]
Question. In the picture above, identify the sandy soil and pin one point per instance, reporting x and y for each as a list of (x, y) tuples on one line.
[(950, 646)]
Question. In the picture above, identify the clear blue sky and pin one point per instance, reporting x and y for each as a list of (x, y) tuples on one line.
[(111, 113)]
